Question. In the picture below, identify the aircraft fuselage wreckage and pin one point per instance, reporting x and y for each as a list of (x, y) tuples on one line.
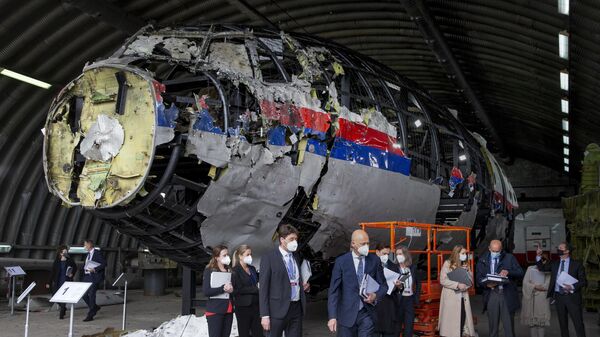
[(189, 137)]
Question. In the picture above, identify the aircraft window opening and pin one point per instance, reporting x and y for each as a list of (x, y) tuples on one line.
[(270, 65), (419, 141)]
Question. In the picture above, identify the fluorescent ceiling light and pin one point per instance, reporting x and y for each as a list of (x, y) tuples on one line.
[(563, 45), (563, 7), (564, 105), (462, 157), (418, 123), (566, 151), (566, 161), (5, 248), (564, 80), (24, 78), (77, 250), (566, 168), (565, 124), (461, 144), (566, 140)]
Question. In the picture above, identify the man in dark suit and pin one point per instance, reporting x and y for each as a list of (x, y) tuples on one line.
[(93, 274), (350, 313), (281, 296), (567, 296), (500, 300)]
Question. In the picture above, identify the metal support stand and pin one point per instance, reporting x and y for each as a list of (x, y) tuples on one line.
[(124, 307), (188, 291), (27, 317), (13, 281), (71, 320)]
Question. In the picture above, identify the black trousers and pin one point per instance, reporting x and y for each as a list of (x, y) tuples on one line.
[(463, 316), (219, 325), (406, 317), (570, 304), (291, 324), (248, 321), (90, 299)]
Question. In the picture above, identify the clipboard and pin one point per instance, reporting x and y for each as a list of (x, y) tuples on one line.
[(218, 279)]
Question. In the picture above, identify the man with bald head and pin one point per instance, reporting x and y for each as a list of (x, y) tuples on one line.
[(350, 313), (500, 300)]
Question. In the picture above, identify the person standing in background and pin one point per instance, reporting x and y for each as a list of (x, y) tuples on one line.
[(535, 306), (93, 274), (386, 309), (219, 311), (567, 296), (455, 318), (500, 300), (410, 291), (63, 270), (245, 293)]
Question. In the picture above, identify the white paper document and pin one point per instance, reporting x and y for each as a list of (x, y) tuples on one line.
[(390, 279), (564, 278), (368, 286), (91, 265), (305, 271), (218, 279)]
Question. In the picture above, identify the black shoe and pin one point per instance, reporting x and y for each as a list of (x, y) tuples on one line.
[(89, 318)]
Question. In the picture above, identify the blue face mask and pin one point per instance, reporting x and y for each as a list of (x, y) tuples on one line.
[(495, 254)]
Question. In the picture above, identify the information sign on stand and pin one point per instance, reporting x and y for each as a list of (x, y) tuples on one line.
[(122, 281), (21, 297), (71, 293), (13, 272)]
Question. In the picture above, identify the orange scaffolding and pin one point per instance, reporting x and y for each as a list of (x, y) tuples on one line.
[(426, 314)]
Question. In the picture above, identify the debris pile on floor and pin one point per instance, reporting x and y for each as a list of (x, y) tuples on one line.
[(183, 326)]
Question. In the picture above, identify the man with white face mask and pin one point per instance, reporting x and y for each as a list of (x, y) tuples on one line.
[(351, 314), (281, 296)]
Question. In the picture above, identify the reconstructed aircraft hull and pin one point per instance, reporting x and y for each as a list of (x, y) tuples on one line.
[(194, 136)]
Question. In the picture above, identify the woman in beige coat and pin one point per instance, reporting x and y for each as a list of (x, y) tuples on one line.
[(455, 318), (535, 308)]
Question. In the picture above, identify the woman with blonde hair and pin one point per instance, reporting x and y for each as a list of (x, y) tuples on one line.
[(219, 311), (455, 318), (409, 291), (535, 306), (245, 293)]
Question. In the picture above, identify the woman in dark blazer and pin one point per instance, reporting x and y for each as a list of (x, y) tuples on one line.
[(63, 269), (219, 311), (245, 293), (409, 292), (386, 309)]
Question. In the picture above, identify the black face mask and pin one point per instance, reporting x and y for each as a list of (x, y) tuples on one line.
[(560, 252)]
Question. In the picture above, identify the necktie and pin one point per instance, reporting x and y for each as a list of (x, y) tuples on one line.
[(360, 274), (562, 268), (291, 274), (494, 264)]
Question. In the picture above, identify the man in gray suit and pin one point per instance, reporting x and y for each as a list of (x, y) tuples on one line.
[(281, 295)]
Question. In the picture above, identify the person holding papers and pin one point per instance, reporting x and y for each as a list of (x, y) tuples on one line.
[(567, 278), (63, 269), (281, 296), (216, 285), (93, 272), (245, 293), (386, 316), (535, 307), (455, 318), (357, 282), (500, 296), (410, 291)]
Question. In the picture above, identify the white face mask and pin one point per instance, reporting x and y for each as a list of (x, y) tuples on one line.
[(384, 258), (400, 258), (226, 260), (247, 259), (363, 250), (463, 257), (292, 246)]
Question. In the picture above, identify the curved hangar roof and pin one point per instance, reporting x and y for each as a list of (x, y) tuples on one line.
[(507, 50)]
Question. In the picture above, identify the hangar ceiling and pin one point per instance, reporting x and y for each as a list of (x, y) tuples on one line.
[(508, 51)]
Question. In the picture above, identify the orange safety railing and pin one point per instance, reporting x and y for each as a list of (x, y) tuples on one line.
[(431, 250)]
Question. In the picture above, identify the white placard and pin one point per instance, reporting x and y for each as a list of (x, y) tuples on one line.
[(71, 292), (413, 231), (26, 292), (15, 271)]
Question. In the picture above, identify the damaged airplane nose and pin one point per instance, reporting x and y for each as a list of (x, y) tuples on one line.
[(190, 137)]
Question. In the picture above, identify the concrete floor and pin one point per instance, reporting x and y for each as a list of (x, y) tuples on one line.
[(149, 312)]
